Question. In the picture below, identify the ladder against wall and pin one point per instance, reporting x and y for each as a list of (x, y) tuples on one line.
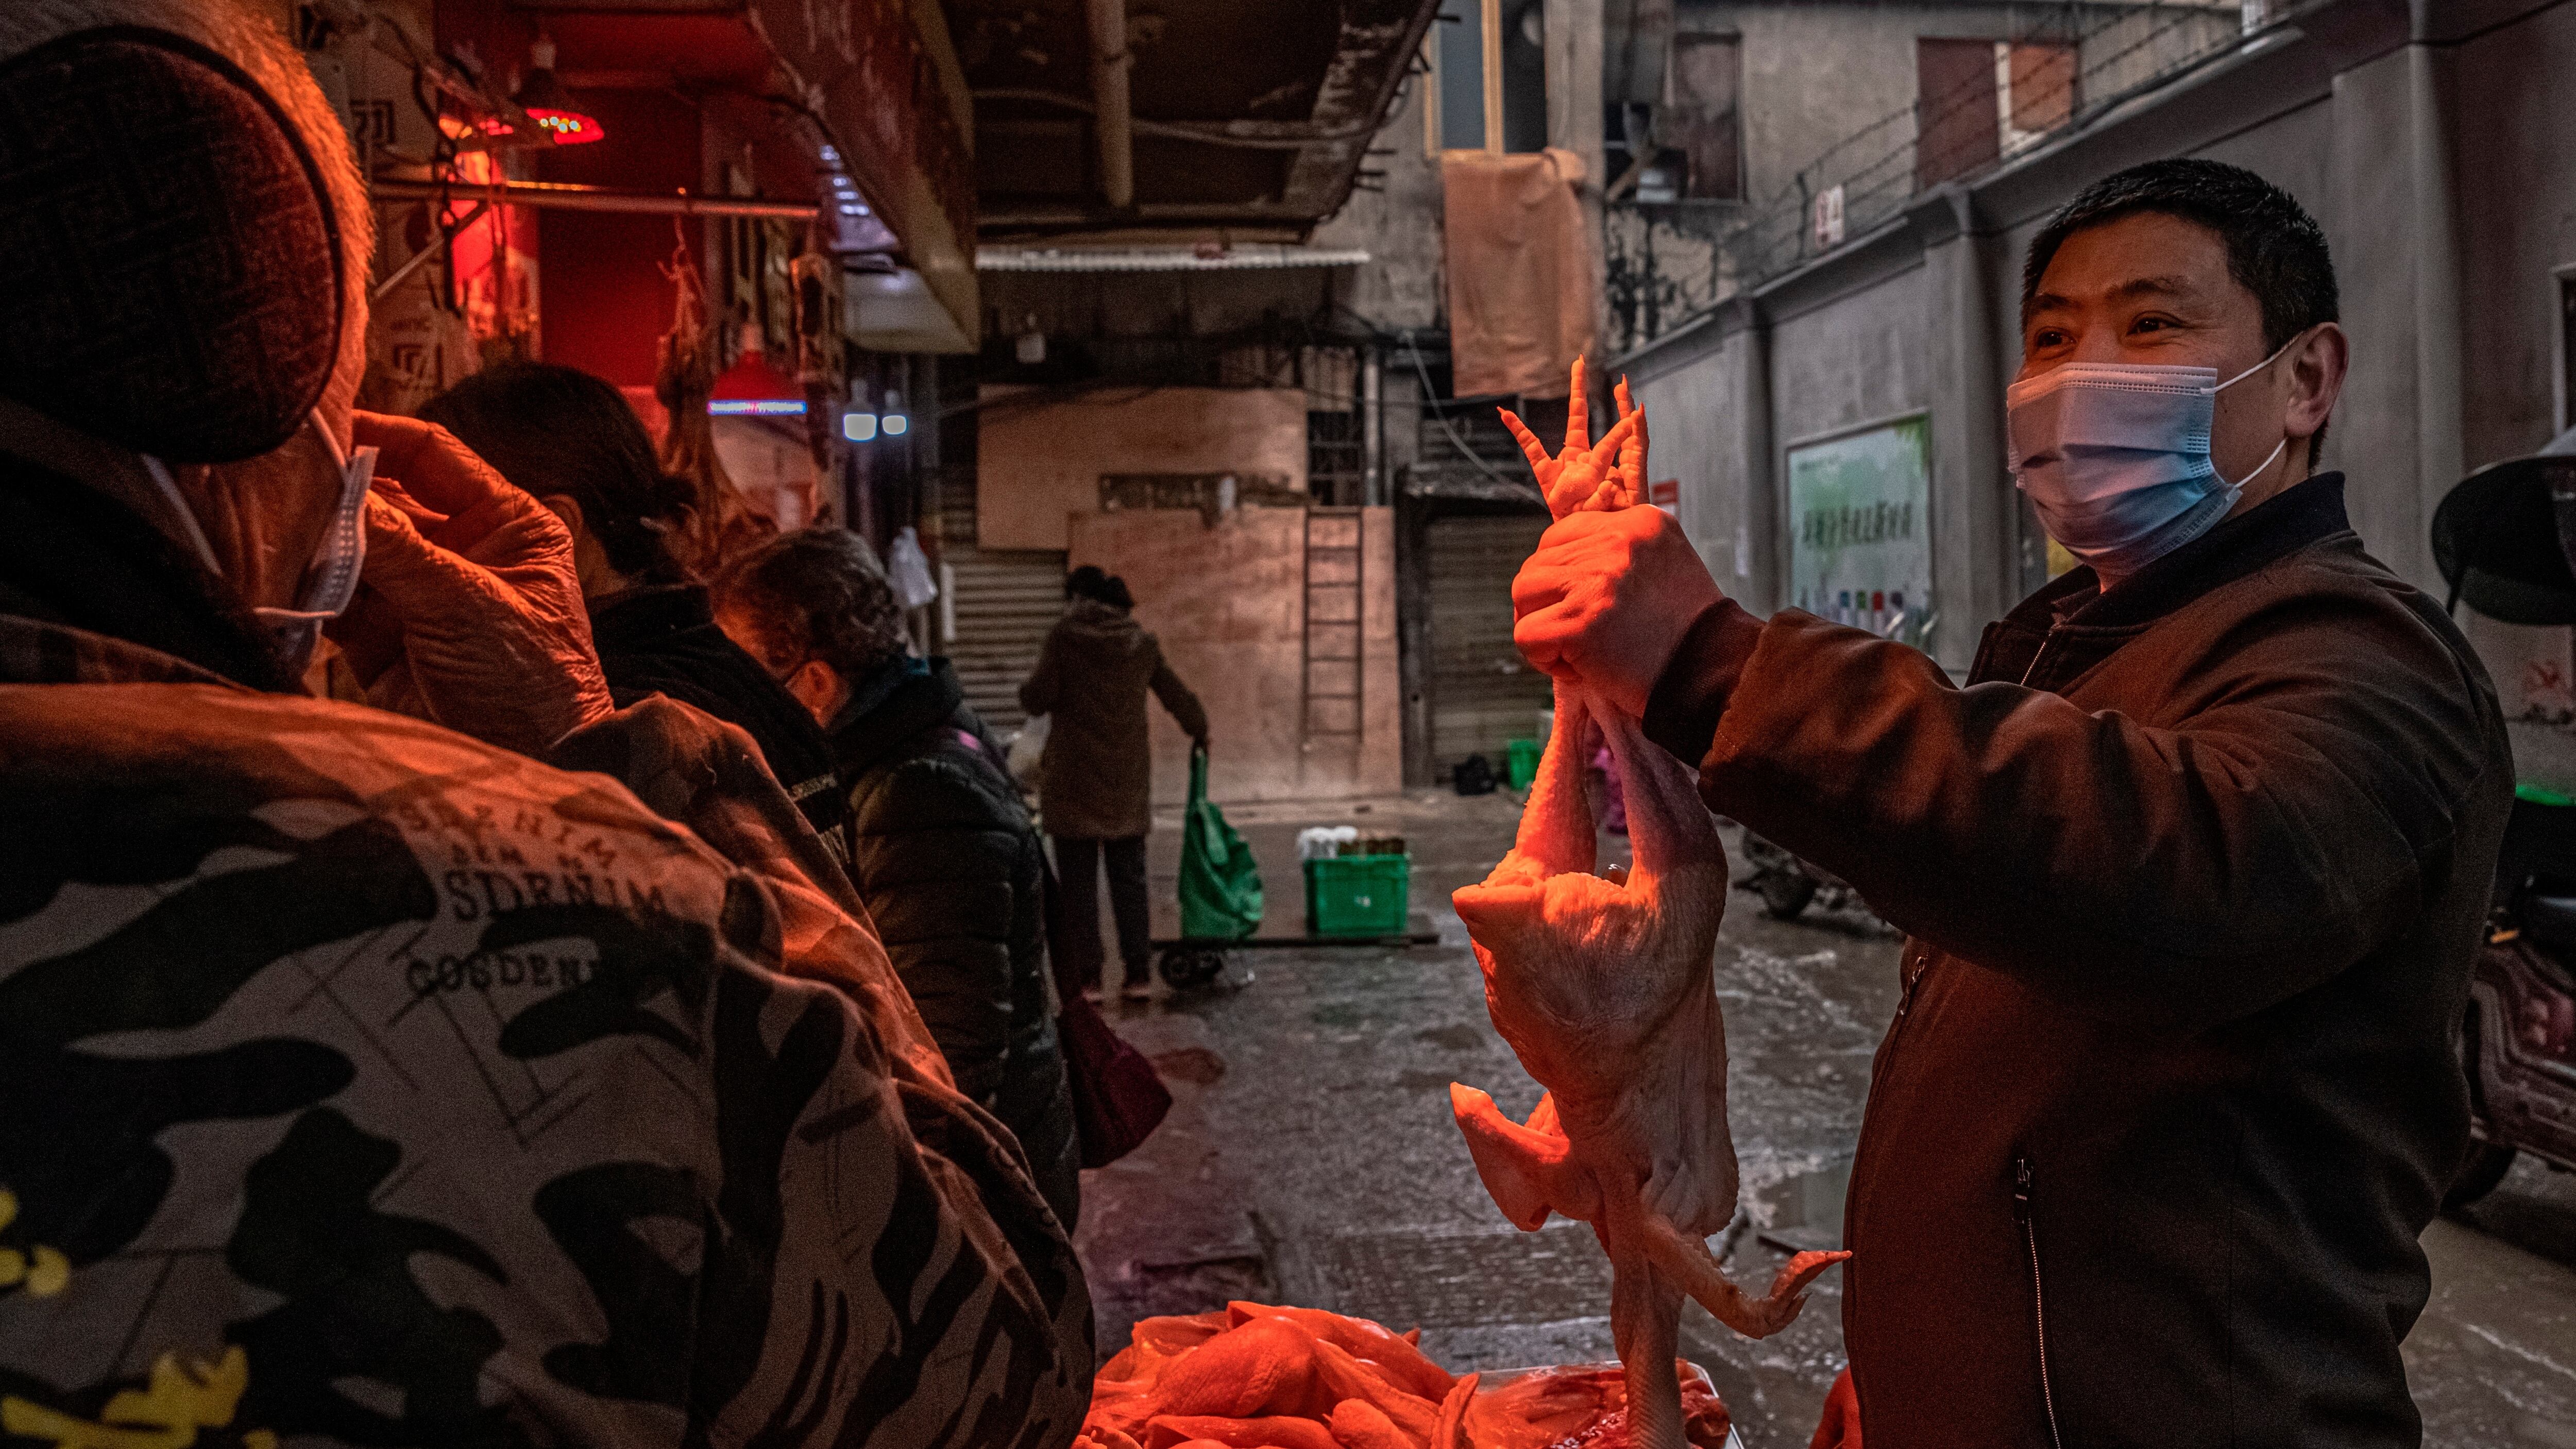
[(1334, 600)]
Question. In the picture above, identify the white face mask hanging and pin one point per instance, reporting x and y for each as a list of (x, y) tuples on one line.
[(2115, 456), (332, 579)]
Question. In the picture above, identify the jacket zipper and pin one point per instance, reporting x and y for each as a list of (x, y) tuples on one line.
[(1914, 969), (2038, 1293), (2036, 655), (1917, 962)]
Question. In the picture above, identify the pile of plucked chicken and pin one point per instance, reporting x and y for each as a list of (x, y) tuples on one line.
[(1251, 1376)]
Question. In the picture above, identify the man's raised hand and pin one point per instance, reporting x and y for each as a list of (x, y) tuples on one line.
[(1607, 598), (471, 615)]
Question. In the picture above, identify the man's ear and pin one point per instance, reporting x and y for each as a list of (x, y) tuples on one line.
[(819, 687), (2317, 369)]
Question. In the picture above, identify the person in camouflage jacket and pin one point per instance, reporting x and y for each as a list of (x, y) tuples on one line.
[(526, 1078)]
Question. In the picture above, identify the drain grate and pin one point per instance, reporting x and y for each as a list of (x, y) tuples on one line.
[(1456, 1280)]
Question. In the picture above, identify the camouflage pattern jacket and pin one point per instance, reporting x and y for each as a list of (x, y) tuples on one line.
[(363, 1084)]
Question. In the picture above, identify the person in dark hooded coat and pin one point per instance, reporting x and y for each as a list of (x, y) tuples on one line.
[(1095, 789)]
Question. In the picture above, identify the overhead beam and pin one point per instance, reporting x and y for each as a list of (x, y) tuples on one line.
[(558, 196), (1376, 46), (1111, 111), (1379, 41), (1004, 217)]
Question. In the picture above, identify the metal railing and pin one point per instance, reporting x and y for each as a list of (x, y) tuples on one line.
[(1878, 168)]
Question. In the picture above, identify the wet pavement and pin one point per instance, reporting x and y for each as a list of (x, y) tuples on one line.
[(1310, 1156)]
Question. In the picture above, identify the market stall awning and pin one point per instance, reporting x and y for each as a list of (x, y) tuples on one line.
[(1251, 117), (1253, 257)]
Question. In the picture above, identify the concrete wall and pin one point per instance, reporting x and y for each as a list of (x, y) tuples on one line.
[(1040, 463), (2517, 208), (2442, 165), (2515, 193), (1227, 600), (1700, 438), (1403, 284), (1859, 357)]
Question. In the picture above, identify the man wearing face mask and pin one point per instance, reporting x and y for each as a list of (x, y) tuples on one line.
[(2192, 869), (364, 1079)]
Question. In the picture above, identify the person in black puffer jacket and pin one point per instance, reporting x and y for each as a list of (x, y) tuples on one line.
[(573, 441), (942, 849)]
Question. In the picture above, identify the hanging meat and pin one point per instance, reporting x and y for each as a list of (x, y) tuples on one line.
[(684, 378), (1604, 987)]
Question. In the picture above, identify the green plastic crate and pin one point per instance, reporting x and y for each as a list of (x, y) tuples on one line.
[(1359, 895), (1521, 764)]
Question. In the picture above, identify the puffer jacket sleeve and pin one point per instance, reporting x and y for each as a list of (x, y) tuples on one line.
[(937, 860)]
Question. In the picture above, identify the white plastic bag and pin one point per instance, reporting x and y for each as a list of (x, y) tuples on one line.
[(1028, 749), (908, 569)]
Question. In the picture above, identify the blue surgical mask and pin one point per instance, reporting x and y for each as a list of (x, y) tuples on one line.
[(2115, 457)]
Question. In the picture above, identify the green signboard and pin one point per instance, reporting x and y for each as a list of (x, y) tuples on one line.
[(1860, 528)]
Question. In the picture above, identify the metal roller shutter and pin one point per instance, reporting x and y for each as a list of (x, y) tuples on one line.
[(1005, 602), (1482, 693)]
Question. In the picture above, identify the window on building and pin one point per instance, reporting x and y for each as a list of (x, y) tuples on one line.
[(1458, 67), (1688, 144), (2038, 91), (1700, 116), (1955, 126), (1980, 101)]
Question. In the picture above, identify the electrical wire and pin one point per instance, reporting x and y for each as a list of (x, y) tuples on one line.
[(1420, 371), (1205, 135)]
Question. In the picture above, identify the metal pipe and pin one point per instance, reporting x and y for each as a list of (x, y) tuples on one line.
[(412, 263), (1373, 426), (1110, 115), (1491, 17), (558, 196), (1242, 135)]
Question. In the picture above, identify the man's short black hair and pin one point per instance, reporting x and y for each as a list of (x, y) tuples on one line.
[(2274, 248)]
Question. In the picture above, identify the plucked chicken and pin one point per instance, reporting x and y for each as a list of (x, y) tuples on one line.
[(1255, 1376), (1604, 988)]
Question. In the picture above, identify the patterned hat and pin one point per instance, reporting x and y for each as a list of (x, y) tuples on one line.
[(177, 277)]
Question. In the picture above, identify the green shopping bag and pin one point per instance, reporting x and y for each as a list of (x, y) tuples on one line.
[(1220, 884)]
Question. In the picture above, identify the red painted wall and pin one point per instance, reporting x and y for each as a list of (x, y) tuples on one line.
[(602, 296)]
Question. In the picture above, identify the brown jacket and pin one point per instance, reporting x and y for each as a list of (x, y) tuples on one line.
[(1098, 778), (2194, 873)]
